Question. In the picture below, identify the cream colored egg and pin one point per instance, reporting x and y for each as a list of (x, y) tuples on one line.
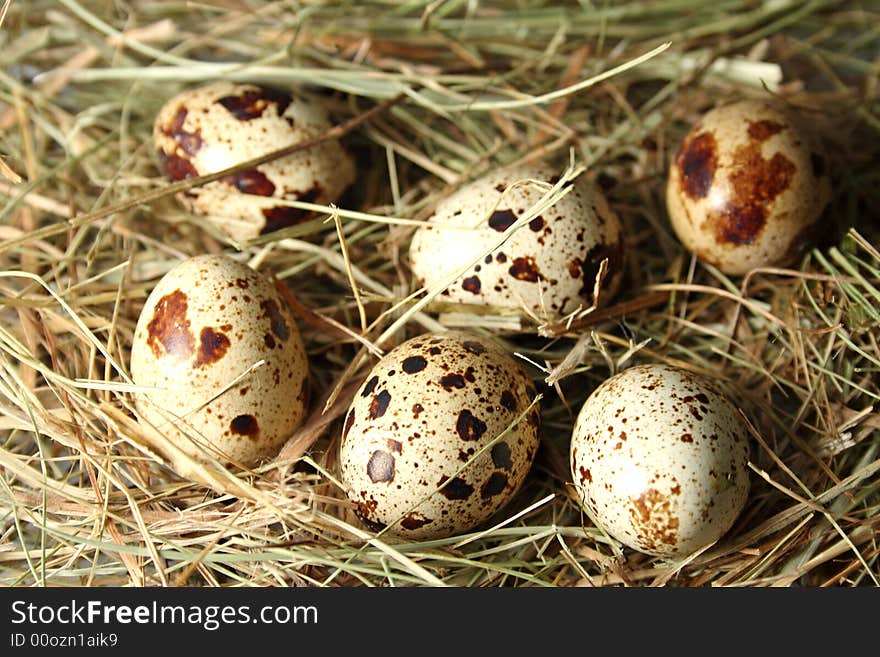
[(547, 268), (747, 187), (223, 360), (213, 127), (424, 450), (659, 458)]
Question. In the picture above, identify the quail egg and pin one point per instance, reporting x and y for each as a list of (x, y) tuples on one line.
[(546, 268), (424, 450), (213, 127), (222, 361), (659, 458), (747, 187)]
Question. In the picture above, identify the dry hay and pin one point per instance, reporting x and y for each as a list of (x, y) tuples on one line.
[(90, 226)]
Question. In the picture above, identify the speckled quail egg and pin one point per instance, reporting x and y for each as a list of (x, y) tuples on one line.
[(747, 187), (422, 449), (546, 268), (222, 359), (213, 127), (660, 459)]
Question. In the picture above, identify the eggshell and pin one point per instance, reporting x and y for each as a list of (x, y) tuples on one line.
[(659, 457), (546, 268), (224, 361), (213, 127), (422, 450), (747, 187)]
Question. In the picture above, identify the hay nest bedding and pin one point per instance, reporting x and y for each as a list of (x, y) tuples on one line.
[(89, 225)]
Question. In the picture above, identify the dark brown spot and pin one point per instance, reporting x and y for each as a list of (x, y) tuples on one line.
[(590, 266), (471, 284), (501, 258), (395, 446), (501, 220), (188, 142), (456, 489), (252, 103), (451, 381), (380, 467), (501, 456), (269, 341), (574, 268), (284, 216), (763, 130), (508, 400), (415, 521), (494, 485), (170, 327), (379, 404), (755, 183), (537, 223), (687, 438), (468, 426), (251, 181), (417, 408), (276, 319), (697, 160), (469, 376), (474, 347), (212, 347), (586, 475), (175, 167), (414, 364), (245, 425), (525, 269), (349, 420), (364, 510), (370, 386)]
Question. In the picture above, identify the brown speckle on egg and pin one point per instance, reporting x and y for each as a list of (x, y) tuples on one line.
[(212, 347), (501, 220), (379, 405), (245, 425), (471, 284), (469, 427), (494, 486), (525, 269), (380, 467)]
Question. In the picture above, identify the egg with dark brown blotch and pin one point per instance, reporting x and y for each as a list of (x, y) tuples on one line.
[(221, 361), (659, 457), (426, 451), (747, 187), (218, 125), (546, 268)]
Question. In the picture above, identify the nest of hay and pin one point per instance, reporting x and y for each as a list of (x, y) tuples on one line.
[(89, 225)]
